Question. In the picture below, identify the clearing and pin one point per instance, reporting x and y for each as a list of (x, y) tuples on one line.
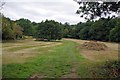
[(30, 58)]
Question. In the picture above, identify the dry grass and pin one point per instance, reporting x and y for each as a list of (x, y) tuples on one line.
[(93, 45), (23, 49), (111, 53), (100, 55), (20, 51)]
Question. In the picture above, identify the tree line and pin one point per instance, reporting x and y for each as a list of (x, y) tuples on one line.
[(101, 30), (12, 30)]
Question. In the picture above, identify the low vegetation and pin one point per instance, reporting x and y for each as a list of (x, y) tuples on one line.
[(61, 59), (110, 69), (52, 62)]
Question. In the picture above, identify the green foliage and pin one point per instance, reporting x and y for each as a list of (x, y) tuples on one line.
[(66, 29), (18, 31), (115, 33), (10, 30), (91, 10), (26, 25), (49, 30), (108, 70), (69, 31), (101, 30), (84, 33), (34, 28)]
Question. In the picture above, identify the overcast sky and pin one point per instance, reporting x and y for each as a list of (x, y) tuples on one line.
[(34, 10)]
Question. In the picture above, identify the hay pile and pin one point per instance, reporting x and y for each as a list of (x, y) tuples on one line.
[(93, 45)]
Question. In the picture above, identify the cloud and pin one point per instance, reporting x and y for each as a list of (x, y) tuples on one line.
[(62, 11)]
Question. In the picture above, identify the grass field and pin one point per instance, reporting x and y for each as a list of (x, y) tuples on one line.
[(29, 58)]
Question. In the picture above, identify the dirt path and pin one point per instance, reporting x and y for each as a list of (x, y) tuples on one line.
[(73, 72)]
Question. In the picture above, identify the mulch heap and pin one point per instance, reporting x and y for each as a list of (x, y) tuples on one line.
[(94, 45)]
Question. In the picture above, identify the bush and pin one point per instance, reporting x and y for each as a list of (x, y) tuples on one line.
[(109, 70), (115, 34)]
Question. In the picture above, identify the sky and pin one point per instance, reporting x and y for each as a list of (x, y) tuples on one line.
[(40, 10)]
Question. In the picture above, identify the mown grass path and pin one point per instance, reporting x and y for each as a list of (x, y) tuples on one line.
[(57, 61)]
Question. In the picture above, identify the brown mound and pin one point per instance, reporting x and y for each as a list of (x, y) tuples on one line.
[(94, 45)]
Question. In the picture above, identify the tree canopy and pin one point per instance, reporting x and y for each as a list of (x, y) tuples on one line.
[(101, 30), (49, 30), (92, 10), (10, 30), (26, 25)]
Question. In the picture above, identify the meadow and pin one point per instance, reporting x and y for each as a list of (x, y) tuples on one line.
[(56, 59)]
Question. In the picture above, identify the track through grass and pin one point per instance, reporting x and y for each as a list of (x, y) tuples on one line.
[(55, 61), (64, 60)]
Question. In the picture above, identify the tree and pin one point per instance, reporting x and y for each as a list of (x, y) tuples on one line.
[(69, 30), (10, 30), (49, 30), (18, 31), (84, 33), (99, 30), (115, 33), (26, 25), (92, 10), (72, 31), (34, 28), (78, 28), (7, 32), (66, 29)]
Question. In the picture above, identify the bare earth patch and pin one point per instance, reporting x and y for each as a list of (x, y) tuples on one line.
[(73, 72), (36, 77)]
